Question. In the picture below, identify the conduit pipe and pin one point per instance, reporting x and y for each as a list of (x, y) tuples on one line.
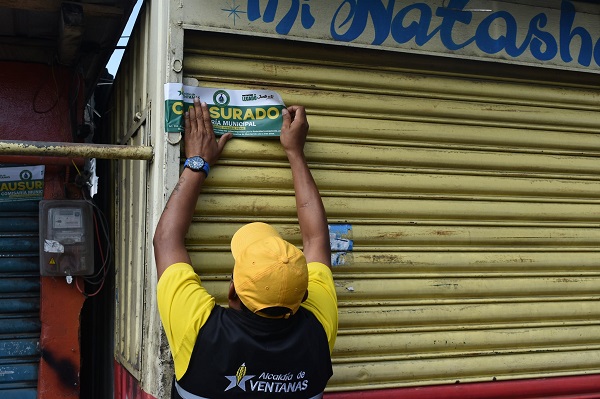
[(75, 150)]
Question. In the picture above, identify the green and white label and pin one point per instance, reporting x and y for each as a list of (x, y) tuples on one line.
[(22, 183), (245, 113)]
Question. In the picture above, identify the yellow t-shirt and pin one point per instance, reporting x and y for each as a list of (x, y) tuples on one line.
[(184, 306)]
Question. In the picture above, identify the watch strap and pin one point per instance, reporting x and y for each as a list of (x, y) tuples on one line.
[(189, 163)]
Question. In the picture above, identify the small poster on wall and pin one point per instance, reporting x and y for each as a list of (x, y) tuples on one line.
[(22, 183), (245, 113)]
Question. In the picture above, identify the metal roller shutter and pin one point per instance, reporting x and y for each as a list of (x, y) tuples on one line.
[(19, 300), (472, 203)]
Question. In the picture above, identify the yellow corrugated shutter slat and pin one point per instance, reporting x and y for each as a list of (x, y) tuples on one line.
[(473, 207)]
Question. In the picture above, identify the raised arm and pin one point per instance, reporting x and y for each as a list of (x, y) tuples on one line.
[(311, 212), (169, 237)]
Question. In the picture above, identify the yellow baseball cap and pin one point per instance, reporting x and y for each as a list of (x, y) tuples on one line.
[(268, 271)]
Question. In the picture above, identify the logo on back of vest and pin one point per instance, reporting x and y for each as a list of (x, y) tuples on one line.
[(267, 382), (239, 379)]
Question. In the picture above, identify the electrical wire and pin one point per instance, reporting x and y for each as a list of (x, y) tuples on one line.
[(39, 89), (103, 269), (101, 231), (100, 277)]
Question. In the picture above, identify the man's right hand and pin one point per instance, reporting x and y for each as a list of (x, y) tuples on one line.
[(294, 129), (311, 213)]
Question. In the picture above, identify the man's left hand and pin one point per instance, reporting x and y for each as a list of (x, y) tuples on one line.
[(199, 136)]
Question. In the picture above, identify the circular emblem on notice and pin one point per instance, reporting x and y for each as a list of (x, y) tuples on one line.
[(26, 175), (221, 97)]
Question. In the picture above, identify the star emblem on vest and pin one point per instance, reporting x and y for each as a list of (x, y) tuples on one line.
[(239, 379)]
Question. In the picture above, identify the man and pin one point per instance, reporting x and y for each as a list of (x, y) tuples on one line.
[(275, 338)]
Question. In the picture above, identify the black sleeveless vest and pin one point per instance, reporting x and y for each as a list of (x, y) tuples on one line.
[(242, 355)]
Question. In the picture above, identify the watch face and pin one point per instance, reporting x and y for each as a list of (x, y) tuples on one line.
[(196, 163)]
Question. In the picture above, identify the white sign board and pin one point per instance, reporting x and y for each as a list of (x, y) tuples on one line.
[(555, 34)]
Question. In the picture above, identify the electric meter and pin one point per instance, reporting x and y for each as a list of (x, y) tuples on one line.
[(66, 238)]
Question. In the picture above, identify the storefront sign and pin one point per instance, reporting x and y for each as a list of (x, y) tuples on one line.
[(557, 34), (22, 183), (245, 113)]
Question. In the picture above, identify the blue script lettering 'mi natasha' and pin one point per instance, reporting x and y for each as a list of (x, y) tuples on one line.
[(417, 22)]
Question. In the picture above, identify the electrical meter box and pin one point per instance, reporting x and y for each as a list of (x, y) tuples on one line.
[(66, 238)]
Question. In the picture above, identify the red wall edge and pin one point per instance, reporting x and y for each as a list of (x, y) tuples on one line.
[(126, 386), (60, 310), (576, 387), (58, 376), (39, 160), (37, 102)]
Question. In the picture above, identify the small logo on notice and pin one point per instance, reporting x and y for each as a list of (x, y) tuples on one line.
[(26, 175), (221, 97), (249, 97)]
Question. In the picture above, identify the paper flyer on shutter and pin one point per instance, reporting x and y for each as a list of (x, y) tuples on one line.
[(22, 183), (245, 113)]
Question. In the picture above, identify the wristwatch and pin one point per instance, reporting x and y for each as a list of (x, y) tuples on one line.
[(197, 164)]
